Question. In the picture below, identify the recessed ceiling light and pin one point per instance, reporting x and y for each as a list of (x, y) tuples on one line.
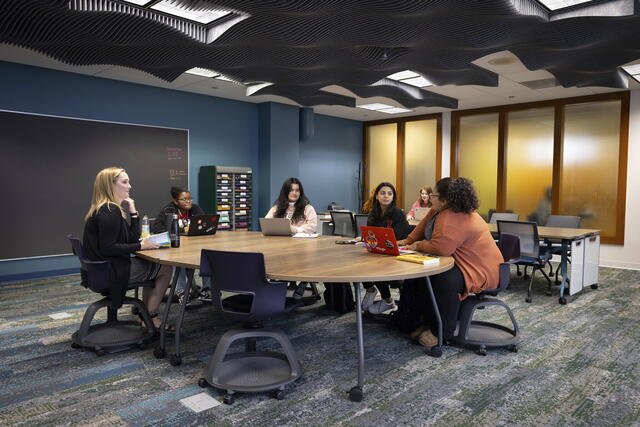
[(202, 72), (376, 106), (401, 75), (138, 2), (417, 81), (503, 61), (394, 110), (204, 16), (632, 69), (559, 4), (224, 78)]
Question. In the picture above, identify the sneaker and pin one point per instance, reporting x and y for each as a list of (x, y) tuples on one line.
[(367, 301), (427, 339), (299, 292), (381, 306), (205, 295)]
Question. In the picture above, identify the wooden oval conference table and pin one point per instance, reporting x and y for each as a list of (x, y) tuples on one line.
[(298, 259)]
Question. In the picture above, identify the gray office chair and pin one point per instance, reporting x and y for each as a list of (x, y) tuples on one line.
[(555, 245), (503, 216), (344, 223), (361, 219)]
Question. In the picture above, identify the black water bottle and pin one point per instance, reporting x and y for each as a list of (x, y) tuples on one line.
[(174, 232)]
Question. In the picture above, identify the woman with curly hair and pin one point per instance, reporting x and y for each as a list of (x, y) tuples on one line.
[(454, 228)]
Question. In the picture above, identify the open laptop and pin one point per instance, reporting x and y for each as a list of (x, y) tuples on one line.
[(419, 213), (202, 225), (275, 226), (381, 240)]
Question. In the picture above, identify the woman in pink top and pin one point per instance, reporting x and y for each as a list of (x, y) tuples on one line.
[(294, 205), (422, 202)]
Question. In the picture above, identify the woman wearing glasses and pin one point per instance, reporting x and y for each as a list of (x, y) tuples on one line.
[(454, 228), (183, 206)]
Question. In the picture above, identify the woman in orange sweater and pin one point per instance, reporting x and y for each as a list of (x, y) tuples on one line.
[(454, 228)]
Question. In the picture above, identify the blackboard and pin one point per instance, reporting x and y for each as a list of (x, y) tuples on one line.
[(48, 166)]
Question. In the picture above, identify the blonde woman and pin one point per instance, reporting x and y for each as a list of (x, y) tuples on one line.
[(109, 236)]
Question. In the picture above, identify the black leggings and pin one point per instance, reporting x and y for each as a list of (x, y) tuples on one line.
[(447, 288)]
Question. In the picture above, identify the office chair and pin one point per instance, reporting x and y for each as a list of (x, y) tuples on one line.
[(361, 219), (503, 216), (555, 245), (113, 333), (487, 334), (530, 253), (254, 301), (343, 223)]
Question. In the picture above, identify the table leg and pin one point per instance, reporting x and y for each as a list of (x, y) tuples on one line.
[(437, 350), (176, 359), (161, 350), (563, 270), (356, 393)]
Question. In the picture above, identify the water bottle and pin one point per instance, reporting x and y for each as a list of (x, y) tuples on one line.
[(145, 227), (174, 232)]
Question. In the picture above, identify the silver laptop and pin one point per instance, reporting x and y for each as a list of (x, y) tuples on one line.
[(420, 213), (275, 226)]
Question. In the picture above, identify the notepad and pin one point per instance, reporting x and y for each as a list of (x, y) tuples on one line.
[(161, 239), (306, 235), (419, 259)]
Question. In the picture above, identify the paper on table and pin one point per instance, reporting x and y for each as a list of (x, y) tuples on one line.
[(306, 235), (161, 239)]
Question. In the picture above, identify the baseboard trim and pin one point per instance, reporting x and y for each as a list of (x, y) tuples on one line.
[(619, 264), (37, 275)]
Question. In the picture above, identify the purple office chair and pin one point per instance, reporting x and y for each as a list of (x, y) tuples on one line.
[(254, 300), (486, 334), (113, 333)]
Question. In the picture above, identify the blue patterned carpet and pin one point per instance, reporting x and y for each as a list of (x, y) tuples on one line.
[(577, 365)]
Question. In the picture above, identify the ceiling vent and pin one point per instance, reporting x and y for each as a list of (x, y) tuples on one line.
[(541, 84)]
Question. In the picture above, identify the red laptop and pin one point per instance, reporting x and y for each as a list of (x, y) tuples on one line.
[(381, 240)]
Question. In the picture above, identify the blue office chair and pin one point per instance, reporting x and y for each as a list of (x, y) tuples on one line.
[(530, 251), (487, 334), (254, 300), (113, 333)]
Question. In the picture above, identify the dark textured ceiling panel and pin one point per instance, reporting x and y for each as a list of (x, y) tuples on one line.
[(301, 46)]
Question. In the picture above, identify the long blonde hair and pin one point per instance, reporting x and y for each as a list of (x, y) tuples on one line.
[(103, 191)]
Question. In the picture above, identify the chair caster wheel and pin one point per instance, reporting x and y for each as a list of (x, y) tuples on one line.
[(562, 300), (159, 353), (527, 299), (482, 351), (203, 383), (175, 360), (228, 399), (513, 348), (74, 345), (279, 394), (436, 351), (594, 286), (100, 352), (356, 394)]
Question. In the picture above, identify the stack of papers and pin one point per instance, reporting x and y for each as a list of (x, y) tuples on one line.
[(306, 235), (419, 259), (161, 239)]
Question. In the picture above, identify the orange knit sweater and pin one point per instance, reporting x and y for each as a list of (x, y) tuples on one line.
[(467, 239)]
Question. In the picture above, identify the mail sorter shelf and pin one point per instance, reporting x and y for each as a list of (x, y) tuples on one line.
[(228, 192)]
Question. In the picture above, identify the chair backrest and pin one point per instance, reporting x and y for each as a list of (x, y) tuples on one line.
[(243, 273), (343, 223), (527, 232), (564, 221), (503, 216), (509, 245), (361, 219), (95, 274)]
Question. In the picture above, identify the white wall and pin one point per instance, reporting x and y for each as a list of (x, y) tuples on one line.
[(628, 256)]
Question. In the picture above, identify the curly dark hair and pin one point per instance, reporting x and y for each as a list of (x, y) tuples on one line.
[(458, 193)]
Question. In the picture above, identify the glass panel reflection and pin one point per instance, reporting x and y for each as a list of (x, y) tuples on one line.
[(419, 158)]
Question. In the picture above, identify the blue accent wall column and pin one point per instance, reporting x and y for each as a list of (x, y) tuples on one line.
[(279, 150)]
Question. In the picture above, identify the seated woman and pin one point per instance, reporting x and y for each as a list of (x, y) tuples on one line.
[(183, 206), (422, 202), (384, 213), (294, 205), (454, 228), (109, 236)]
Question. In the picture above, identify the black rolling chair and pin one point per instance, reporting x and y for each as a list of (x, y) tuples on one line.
[(486, 334), (503, 216), (344, 223), (254, 301), (361, 219), (114, 333), (555, 245), (530, 251)]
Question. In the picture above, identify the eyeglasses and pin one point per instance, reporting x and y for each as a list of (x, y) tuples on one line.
[(185, 200), (433, 195)]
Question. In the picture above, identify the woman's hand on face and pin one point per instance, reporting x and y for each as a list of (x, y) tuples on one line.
[(132, 205), (148, 244)]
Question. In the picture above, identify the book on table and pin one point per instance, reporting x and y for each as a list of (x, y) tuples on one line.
[(419, 259)]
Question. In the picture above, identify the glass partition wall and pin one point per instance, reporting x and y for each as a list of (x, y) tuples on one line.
[(561, 157), (406, 152)]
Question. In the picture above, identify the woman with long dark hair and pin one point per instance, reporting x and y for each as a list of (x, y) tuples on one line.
[(454, 228), (384, 213), (295, 206)]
